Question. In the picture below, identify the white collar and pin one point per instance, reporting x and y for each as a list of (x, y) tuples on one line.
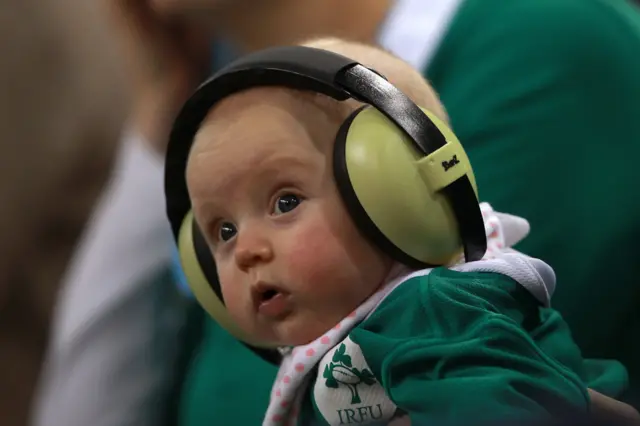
[(414, 28)]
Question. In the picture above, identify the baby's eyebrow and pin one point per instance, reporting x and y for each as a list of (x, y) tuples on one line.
[(209, 209), (280, 160)]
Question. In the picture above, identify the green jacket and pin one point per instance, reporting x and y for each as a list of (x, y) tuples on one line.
[(486, 348)]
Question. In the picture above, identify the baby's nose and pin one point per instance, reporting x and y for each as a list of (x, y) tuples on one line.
[(252, 250)]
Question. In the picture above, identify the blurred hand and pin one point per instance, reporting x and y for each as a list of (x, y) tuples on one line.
[(604, 406), (167, 59)]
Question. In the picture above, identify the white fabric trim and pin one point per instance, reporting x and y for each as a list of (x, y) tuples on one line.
[(127, 236), (414, 28), (533, 274)]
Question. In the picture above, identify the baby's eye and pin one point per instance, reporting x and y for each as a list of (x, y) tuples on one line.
[(286, 203), (227, 231)]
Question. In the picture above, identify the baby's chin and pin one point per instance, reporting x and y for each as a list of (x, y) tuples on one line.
[(299, 329)]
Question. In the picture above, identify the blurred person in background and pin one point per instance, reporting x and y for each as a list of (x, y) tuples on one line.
[(117, 323), (62, 105), (538, 91)]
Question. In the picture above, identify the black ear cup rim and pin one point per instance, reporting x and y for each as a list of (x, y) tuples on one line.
[(272, 356), (468, 215), (208, 267), (205, 260), (356, 210)]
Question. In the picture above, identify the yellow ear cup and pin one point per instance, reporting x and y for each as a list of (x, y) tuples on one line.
[(397, 186), (201, 288)]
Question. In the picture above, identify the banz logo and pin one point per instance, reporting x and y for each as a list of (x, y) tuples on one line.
[(449, 164)]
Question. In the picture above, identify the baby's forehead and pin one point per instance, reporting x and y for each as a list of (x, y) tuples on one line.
[(276, 113), (258, 132)]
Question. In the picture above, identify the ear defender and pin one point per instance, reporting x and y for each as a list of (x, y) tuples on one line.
[(392, 190), (401, 172)]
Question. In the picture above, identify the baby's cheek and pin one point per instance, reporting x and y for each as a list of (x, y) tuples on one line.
[(234, 297), (316, 259)]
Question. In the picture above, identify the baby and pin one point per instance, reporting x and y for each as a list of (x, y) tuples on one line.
[(369, 340)]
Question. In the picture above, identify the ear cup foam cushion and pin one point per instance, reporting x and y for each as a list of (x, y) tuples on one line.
[(375, 161)]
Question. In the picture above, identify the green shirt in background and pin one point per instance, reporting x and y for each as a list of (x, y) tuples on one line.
[(545, 96)]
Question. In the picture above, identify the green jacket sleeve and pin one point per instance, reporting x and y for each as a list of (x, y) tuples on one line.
[(545, 97), (451, 346)]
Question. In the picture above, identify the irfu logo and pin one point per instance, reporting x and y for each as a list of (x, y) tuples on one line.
[(345, 373), (340, 371)]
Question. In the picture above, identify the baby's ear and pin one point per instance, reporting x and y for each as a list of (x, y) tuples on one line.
[(514, 228)]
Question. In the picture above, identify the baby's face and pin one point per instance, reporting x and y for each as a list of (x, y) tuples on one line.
[(290, 261)]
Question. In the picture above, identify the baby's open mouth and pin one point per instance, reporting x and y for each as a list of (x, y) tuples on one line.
[(269, 294), (271, 301)]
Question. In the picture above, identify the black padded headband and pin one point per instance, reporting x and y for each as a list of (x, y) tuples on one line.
[(334, 75)]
